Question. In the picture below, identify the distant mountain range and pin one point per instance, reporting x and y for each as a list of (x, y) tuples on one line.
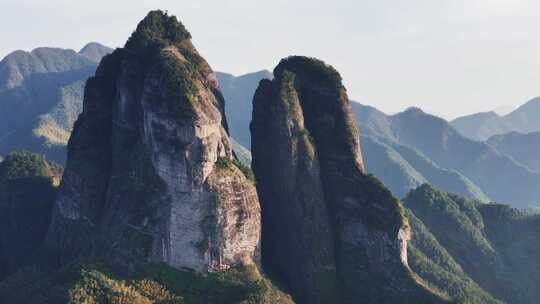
[(402, 165), (498, 175), (403, 168), (41, 96), (524, 148), (238, 92), (482, 126), (411, 148)]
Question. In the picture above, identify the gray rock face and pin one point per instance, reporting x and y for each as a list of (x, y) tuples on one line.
[(150, 166), (331, 233)]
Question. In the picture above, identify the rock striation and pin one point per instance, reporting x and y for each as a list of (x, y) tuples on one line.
[(150, 173), (331, 233)]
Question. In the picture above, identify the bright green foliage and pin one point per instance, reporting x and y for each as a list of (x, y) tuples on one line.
[(225, 163), (314, 69), (454, 216), (288, 90), (157, 29), (164, 47), (151, 283), (248, 173), (180, 80), (477, 252), (23, 164), (95, 286), (431, 261)]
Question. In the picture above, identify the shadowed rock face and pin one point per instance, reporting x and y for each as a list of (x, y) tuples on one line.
[(331, 233), (150, 170), (28, 185)]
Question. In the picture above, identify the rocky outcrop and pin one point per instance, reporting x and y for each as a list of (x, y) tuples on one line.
[(28, 186), (150, 172), (331, 233)]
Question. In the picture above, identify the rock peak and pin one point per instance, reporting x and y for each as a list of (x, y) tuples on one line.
[(327, 226), (154, 118), (158, 28), (310, 68)]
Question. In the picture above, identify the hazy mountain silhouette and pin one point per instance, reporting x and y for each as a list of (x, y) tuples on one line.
[(499, 176), (41, 96), (238, 92), (523, 148), (481, 126)]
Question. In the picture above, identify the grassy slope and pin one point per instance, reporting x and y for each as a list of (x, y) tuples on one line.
[(149, 283)]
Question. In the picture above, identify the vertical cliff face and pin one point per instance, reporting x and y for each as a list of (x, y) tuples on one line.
[(331, 233), (150, 170)]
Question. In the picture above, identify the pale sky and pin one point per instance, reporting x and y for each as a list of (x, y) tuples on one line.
[(448, 57)]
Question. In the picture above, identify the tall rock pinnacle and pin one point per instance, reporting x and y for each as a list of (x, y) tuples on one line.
[(150, 171), (331, 233)]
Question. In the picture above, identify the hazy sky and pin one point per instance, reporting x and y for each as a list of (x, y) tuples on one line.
[(447, 57)]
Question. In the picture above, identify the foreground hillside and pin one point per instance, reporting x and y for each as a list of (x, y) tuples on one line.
[(480, 252)]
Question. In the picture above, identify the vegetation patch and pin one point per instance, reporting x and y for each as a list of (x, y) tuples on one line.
[(310, 68), (24, 164), (157, 29), (150, 283), (228, 165)]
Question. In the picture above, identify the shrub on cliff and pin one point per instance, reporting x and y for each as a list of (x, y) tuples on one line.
[(157, 29)]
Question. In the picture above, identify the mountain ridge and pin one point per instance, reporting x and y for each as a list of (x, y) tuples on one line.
[(41, 97), (444, 145), (481, 126)]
